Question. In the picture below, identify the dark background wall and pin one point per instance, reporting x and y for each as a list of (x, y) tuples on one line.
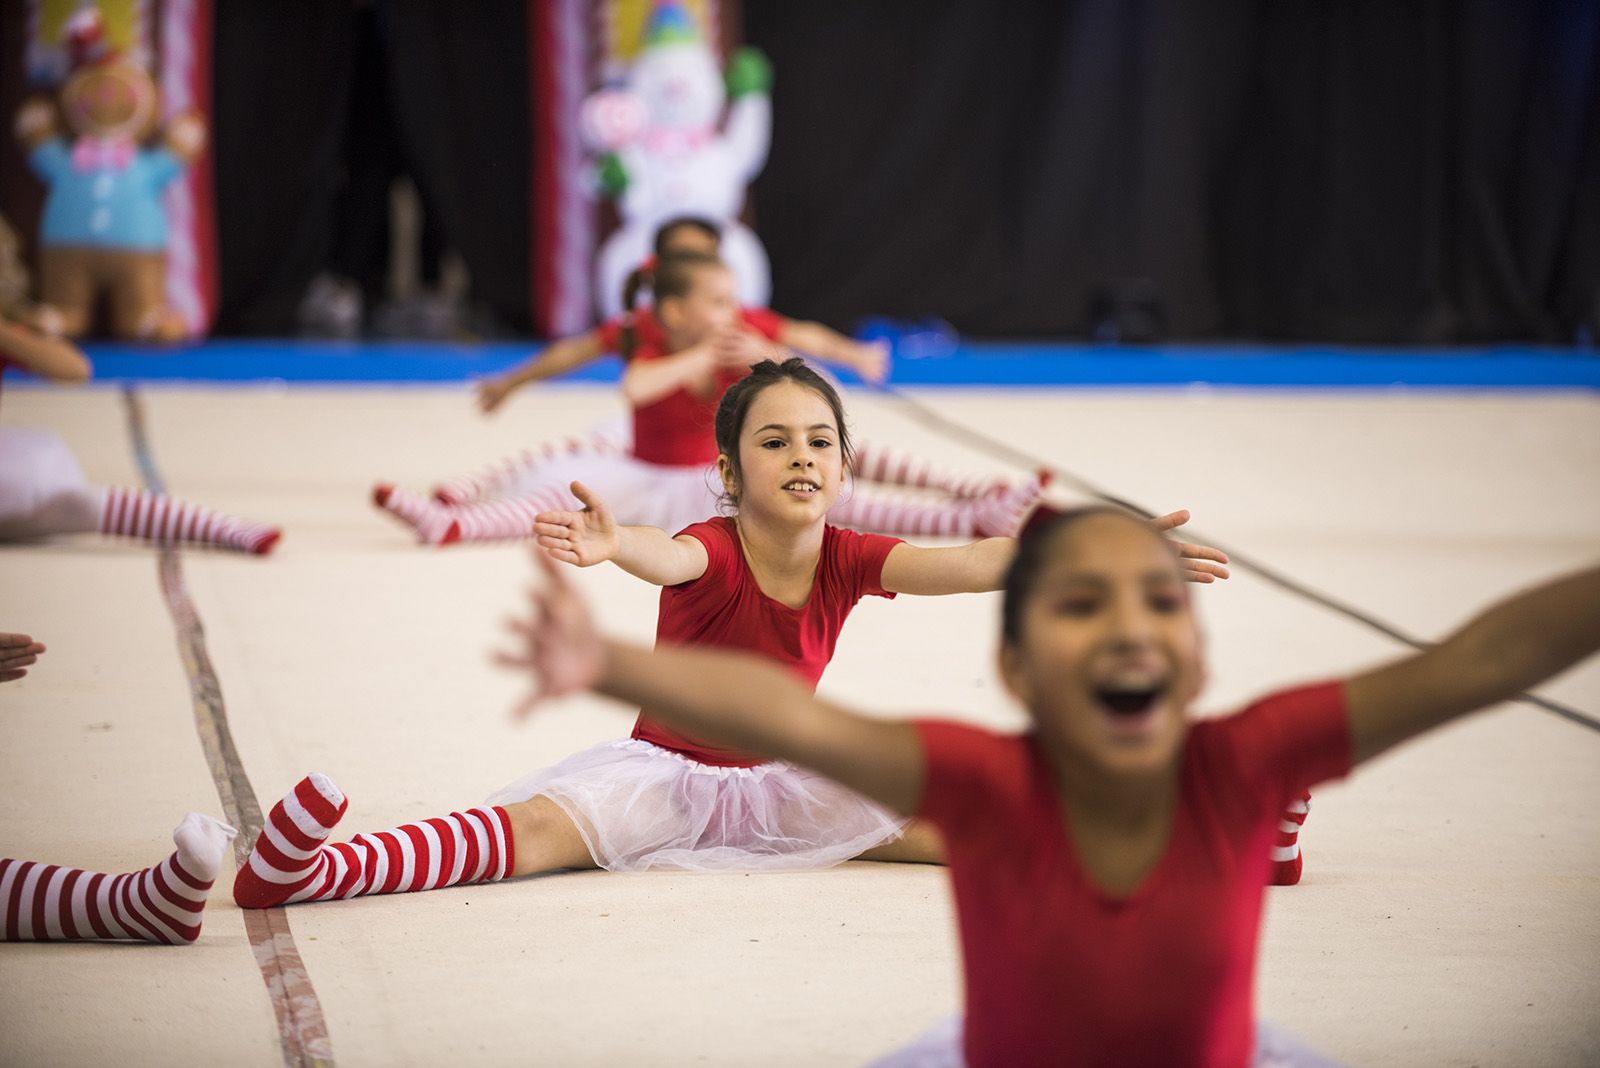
[(1358, 171), (1354, 171)]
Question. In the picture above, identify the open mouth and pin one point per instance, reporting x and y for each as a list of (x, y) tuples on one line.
[(1123, 700), (803, 486)]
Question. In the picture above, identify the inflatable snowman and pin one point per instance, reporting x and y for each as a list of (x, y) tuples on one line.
[(661, 155)]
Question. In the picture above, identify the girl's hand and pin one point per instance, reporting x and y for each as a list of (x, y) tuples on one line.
[(492, 392), (740, 349), (17, 651), (871, 361), (1201, 563), (557, 644), (583, 538)]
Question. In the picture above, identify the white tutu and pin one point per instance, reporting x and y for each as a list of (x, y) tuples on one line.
[(42, 489), (940, 1047), (643, 808)]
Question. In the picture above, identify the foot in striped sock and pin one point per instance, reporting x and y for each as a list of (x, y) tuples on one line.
[(433, 524), (291, 863), (163, 904), (154, 517), (1287, 860), (999, 514)]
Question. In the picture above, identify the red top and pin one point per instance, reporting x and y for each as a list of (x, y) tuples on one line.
[(678, 428), (1056, 971), (725, 608)]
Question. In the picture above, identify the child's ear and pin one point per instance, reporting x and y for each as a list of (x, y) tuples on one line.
[(669, 312), (730, 477)]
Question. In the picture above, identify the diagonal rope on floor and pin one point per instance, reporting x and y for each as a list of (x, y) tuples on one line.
[(1000, 450)]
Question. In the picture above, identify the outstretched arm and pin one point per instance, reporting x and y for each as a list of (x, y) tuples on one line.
[(980, 566), (869, 360), (593, 536), (1516, 644), (557, 358), (733, 699), (48, 357)]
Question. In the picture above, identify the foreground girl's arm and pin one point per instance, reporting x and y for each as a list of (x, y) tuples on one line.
[(980, 566), (734, 699), (593, 536), (1517, 643)]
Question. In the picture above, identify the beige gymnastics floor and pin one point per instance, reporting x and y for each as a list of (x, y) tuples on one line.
[(1451, 910)]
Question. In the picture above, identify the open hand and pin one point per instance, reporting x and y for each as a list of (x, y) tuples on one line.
[(872, 361), (492, 392), (583, 538), (17, 651), (1201, 563), (740, 349), (557, 644)]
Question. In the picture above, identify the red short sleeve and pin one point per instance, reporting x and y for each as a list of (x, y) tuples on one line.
[(723, 557), (609, 334), (863, 556), (764, 321), (1293, 740)]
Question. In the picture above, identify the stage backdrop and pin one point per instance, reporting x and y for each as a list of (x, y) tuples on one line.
[(1361, 171)]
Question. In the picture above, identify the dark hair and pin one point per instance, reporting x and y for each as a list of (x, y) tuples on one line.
[(1038, 533), (665, 231), (667, 276), (736, 402)]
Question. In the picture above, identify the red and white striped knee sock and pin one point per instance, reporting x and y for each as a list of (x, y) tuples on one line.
[(511, 518), (999, 512), (163, 904), (1287, 860), (879, 513), (433, 523), (492, 480), (291, 863), (154, 517), (874, 462)]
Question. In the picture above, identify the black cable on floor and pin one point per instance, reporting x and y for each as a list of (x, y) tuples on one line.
[(950, 428)]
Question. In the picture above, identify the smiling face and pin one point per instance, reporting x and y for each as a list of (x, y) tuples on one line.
[(709, 304), (1106, 654), (791, 466)]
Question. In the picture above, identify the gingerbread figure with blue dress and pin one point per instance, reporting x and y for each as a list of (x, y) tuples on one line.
[(103, 234)]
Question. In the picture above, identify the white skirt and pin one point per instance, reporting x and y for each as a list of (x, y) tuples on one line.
[(940, 1047), (643, 808), (42, 489)]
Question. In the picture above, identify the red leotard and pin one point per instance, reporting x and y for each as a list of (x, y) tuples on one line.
[(725, 608), (1056, 971)]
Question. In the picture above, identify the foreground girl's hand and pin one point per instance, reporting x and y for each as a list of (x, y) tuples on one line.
[(582, 538), (557, 644), (17, 651), (1201, 563)]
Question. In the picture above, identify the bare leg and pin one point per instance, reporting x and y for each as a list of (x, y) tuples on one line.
[(546, 839), (920, 844)]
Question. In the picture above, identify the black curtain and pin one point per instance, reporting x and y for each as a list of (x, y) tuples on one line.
[(1359, 171), (317, 103)]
